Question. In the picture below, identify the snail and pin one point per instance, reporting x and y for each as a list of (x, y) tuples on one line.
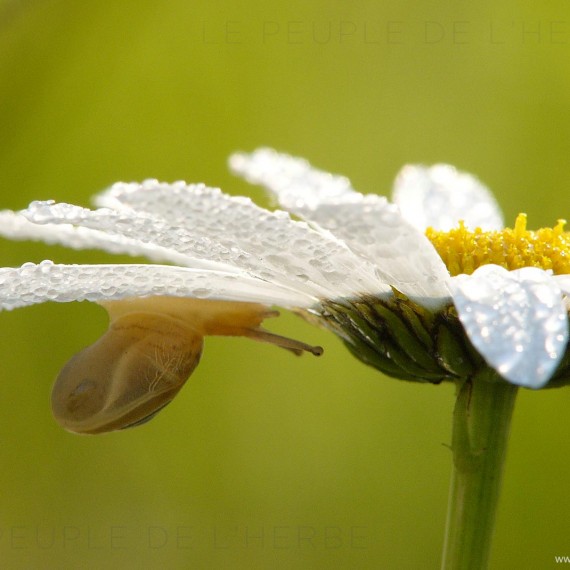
[(150, 349)]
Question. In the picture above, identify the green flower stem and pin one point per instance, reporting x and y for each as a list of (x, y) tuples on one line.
[(481, 422)]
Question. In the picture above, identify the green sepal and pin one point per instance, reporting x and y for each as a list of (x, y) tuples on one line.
[(419, 327), (382, 363), (405, 339), (451, 351), (390, 335), (370, 340)]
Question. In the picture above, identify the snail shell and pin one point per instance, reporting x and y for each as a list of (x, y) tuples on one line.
[(127, 376)]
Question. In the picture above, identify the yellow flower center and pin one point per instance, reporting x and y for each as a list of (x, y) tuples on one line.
[(463, 251)]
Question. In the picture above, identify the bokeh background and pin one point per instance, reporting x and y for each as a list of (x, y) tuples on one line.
[(265, 460)]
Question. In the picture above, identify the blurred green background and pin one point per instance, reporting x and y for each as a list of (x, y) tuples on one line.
[(264, 460)]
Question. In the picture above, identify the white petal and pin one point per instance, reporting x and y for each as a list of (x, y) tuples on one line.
[(369, 225), (563, 281), (237, 222), (516, 320), (31, 284), (440, 196), (233, 232), (404, 258), (14, 225), (297, 185)]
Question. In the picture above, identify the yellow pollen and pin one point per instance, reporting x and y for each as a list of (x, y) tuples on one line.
[(463, 251)]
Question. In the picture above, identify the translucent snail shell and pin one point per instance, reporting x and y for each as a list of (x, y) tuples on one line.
[(127, 376)]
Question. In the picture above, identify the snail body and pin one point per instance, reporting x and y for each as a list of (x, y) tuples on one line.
[(152, 346)]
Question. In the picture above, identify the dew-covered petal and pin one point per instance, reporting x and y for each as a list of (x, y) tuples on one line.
[(563, 281), (46, 281), (268, 245), (439, 196), (516, 320), (16, 226), (404, 258), (236, 221), (297, 185), (369, 225)]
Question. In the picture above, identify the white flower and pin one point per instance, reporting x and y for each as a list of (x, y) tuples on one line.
[(517, 320), (232, 260)]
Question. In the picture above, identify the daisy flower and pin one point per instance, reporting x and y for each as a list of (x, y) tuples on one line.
[(458, 279), (429, 287)]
